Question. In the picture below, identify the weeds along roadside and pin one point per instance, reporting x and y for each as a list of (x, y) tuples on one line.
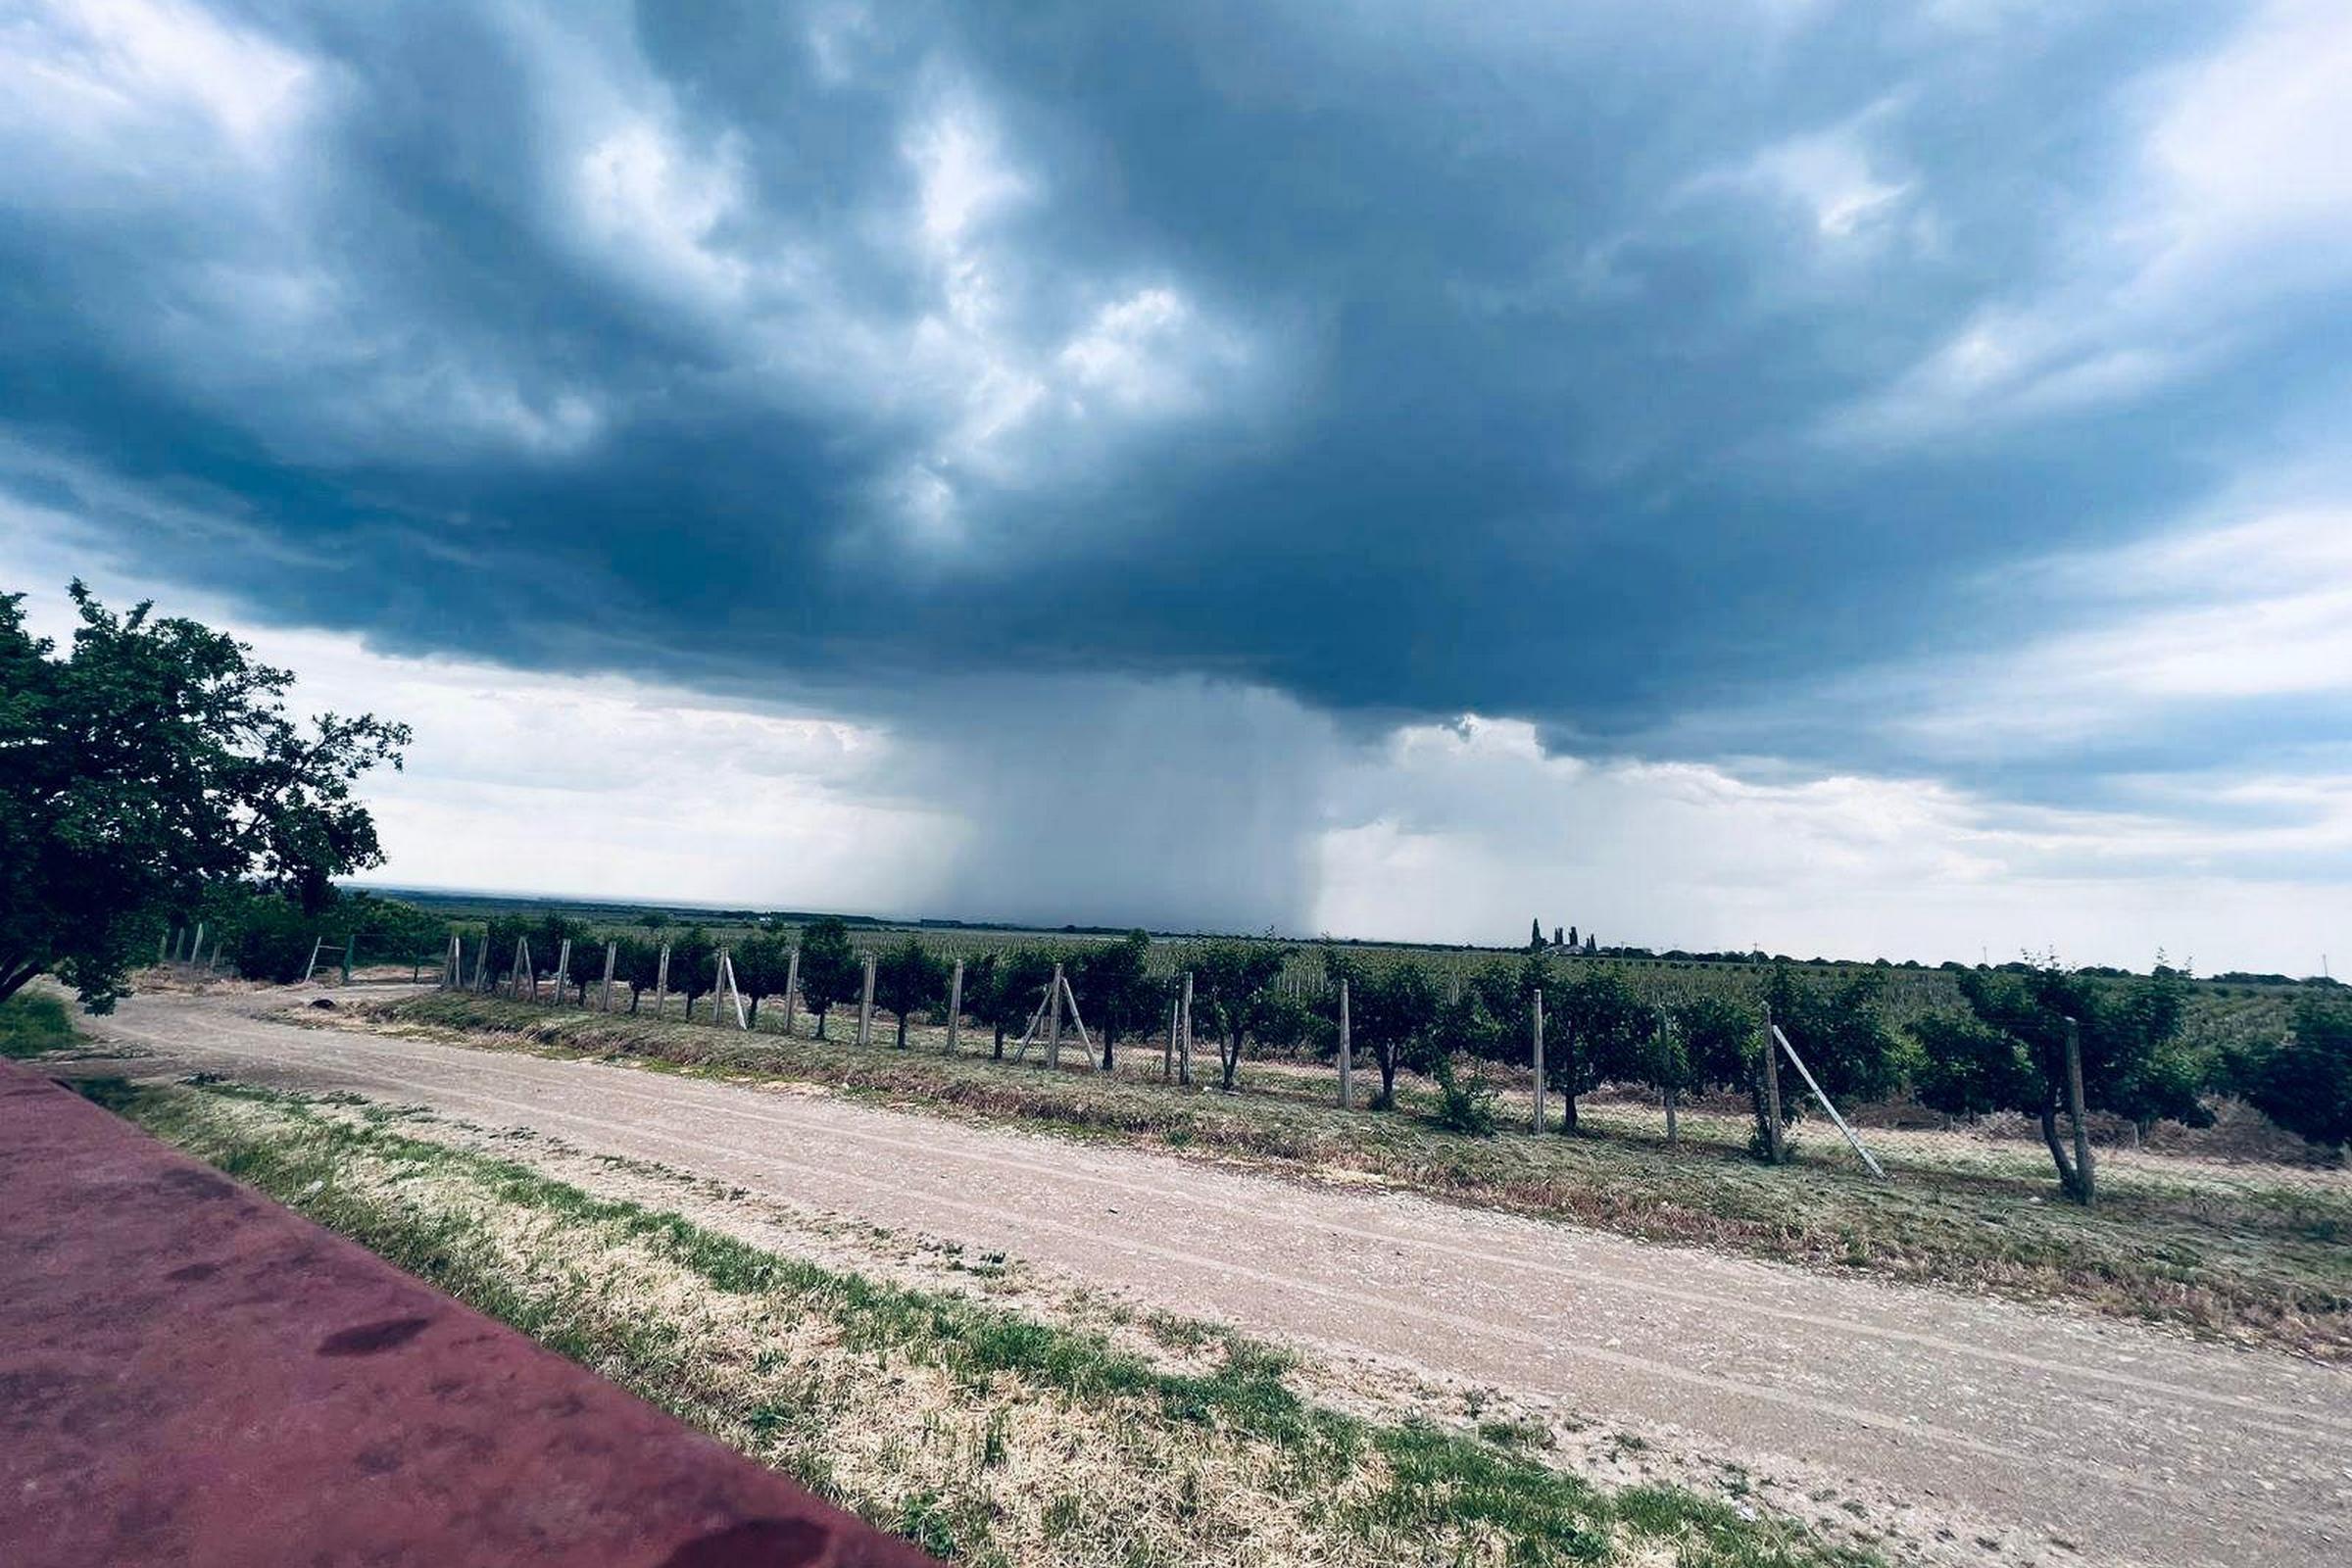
[(982, 1434), (2268, 1268)]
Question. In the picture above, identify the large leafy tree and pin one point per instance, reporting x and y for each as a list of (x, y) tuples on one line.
[(829, 967), (1395, 1011), (1604, 1030), (153, 759), (908, 978), (1005, 989), (2304, 1082), (1117, 997), (1233, 995), (2008, 1051)]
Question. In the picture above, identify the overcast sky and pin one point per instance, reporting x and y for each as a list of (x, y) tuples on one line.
[(1867, 478)]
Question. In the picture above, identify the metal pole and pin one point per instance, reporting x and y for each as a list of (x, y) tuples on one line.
[(612, 957), (865, 1005), (662, 981), (196, 948), (1772, 1092), (954, 1006), (1347, 1053), (1807, 1074), (312, 967), (563, 970), (2089, 1189), (1537, 1021), (792, 988)]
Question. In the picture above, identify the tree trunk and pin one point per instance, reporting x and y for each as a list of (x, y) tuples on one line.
[(16, 979), (1387, 1057), (1106, 1050), (2069, 1181), (753, 1021), (999, 1054), (821, 1021), (634, 993), (901, 1031), (1232, 1058)]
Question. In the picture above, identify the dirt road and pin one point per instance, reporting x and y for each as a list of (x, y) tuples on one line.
[(2105, 1443)]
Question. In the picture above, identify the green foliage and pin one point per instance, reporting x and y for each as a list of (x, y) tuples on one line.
[(152, 762), (2011, 1054), (909, 979), (1464, 1104), (1114, 993), (2304, 1081), (1233, 995), (829, 967), (1602, 1032), (33, 1025), (1393, 1009), (762, 965)]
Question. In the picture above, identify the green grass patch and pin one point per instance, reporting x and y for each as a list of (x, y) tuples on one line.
[(33, 1025)]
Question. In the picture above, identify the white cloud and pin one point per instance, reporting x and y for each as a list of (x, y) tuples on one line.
[(2240, 197), (1461, 832)]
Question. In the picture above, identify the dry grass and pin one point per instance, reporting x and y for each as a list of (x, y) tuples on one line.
[(2243, 1259), (984, 1434)]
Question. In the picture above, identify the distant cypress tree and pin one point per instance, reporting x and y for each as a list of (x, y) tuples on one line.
[(1572, 944), (1534, 936)]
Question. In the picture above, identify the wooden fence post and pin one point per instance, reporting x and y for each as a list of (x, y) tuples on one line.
[(2087, 1188), (1772, 1092), (1168, 1055), (1346, 1054), (196, 948), (954, 1006), (1054, 1027), (481, 963), (1667, 1072), (865, 1005), (1184, 1036), (612, 955), (312, 967), (1536, 1018), (661, 980), (792, 988), (563, 970)]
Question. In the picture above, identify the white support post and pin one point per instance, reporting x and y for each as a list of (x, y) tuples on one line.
[(954, 1006), (481, 962), (196, 948), (453, 968), (792, 988), (1054, 1027), (865, 1005), (612, 958), (312, 967), (662, 981), (726, 964), (1825, 1104), (163, 947), (525, 965), (1537, 1021), (1346, 1054), (563, 970), (1080, 1023), (1184, 1036)]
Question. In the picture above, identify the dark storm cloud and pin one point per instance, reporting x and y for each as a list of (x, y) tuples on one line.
[(1561, 362)]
